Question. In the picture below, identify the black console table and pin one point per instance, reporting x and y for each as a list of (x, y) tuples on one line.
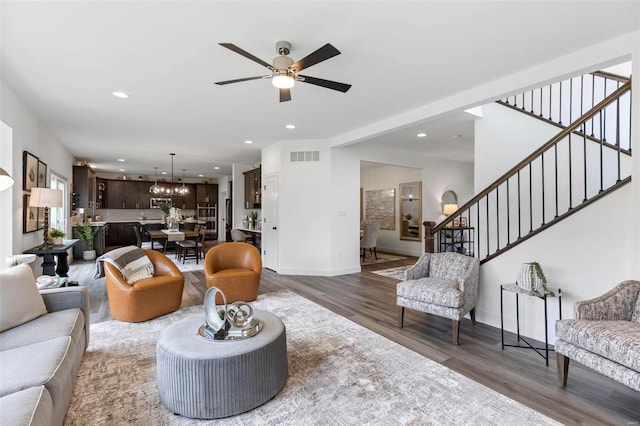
[(48, 253), (514, 288)]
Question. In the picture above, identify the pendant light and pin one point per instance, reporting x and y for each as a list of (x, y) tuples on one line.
[(183, 191), (171, 190), (155, 188)]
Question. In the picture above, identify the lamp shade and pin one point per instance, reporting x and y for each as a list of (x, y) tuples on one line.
[(5, 180), (449, 209), (45, 197)]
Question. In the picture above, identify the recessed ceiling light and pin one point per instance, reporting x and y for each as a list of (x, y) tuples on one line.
[(121, 160), (200, 175), (290, 126), (121, 95), (421, 135), (122, 170), (248, 142), (216, 168), (163, 173)]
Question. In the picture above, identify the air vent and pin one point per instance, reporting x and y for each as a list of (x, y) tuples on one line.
[(297, 156)]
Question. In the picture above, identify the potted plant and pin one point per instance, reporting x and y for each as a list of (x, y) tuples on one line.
[(56, 236), (165, 207), (87, 232), (254, 219)]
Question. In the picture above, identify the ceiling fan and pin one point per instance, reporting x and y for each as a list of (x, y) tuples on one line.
[(284, 72)]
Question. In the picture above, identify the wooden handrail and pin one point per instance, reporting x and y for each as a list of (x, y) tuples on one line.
[(515, 169), (611, 76)]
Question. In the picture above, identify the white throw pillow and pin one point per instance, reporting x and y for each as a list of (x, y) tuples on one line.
[(20, 300)]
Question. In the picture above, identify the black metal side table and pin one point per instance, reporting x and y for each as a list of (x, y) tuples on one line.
[(514, 288)]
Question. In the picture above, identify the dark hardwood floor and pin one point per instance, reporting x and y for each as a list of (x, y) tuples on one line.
[(369, 300)]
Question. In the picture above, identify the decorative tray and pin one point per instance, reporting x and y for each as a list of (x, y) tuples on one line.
[(233, 332)]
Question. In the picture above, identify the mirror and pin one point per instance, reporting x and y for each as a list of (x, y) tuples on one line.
[(449, 202), (411, 211)]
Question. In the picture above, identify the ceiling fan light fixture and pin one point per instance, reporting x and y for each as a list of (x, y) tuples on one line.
[(283, 81)]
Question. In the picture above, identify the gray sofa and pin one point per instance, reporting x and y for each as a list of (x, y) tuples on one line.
[(604, 336), (41, 355)]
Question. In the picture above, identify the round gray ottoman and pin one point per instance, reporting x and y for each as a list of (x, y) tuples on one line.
[(206, 379)]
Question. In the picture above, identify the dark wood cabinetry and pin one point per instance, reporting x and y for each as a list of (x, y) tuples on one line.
[(84, 182), (121, 233), (253, 188), (132, 194)]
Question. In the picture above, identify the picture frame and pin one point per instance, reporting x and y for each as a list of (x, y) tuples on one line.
[(30, 171), (42, 174), (30, 215), (456, 223), (380, 206), (464, 222)]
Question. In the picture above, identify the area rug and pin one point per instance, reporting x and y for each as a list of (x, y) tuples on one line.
[(188, 265), (395, 273), (384, 257), (339, 373)]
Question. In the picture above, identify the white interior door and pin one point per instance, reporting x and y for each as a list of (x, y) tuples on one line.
[(270, 222)]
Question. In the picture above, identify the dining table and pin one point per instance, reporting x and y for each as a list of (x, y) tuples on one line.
[(164, 236)]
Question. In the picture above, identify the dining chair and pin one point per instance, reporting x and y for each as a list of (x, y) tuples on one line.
[(146, 244), (196, 246), (369, 238), (239, 236)]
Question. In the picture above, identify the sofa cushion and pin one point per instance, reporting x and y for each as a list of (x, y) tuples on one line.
[(449, 266), (48, 363), (20, 300), (437, 291), (69, 322), (31, 407), (618, 341)]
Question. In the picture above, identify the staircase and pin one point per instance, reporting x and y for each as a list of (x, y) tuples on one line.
[(589, 158)]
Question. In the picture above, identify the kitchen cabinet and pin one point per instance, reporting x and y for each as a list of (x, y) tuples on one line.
[(253, 188), (84, 183), (121, 234), (206, 193), (115, 194), (125, 194)]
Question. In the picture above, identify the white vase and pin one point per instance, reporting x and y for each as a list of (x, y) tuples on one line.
[(529, 280), (56, 241), (89, 255)]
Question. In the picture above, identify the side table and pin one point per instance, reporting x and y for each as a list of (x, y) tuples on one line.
[(48, 254), (514, 288)]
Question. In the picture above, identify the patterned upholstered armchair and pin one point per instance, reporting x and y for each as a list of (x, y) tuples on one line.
[(604, 336), (443, 284)]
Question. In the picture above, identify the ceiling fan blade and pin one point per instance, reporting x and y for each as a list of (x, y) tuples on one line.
[(340, 87), (246, 54), (325, 52), (238, 80), (285, 95)]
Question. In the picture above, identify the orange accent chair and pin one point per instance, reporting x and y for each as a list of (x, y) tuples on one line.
[(148, 298), (235, 269)]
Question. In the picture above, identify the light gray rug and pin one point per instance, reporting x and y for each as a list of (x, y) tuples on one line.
[(339, 374), (395, 273)]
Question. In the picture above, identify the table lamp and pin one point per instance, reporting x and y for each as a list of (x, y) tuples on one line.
[(45, 197)]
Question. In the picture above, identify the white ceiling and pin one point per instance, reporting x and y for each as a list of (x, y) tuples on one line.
[(64, 59)]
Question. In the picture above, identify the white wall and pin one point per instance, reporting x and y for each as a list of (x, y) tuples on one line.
[(29, 134), (6, 196)]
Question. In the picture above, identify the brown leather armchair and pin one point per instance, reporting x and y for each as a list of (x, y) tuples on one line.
[(235, 269), (148, 298)]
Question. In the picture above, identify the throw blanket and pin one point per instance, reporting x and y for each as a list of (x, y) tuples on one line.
[(131, 261)]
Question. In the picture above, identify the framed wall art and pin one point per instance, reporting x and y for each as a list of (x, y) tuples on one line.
[(30, 215), (30, 171), (380, 206), (42, 174)]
